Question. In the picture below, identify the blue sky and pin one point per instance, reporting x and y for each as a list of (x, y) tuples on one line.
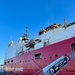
[(15, 15)]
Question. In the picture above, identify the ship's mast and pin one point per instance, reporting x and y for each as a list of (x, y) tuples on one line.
[(26, 30), (25, 36)]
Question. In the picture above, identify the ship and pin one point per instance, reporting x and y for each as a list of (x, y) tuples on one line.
[(27, 57)]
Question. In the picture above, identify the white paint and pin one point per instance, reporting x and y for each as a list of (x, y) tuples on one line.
[(51, 64), (53, 36), (17, 69), (57, 35), (13, 50), (12, 69)]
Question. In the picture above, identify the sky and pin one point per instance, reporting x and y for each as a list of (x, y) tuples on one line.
[(16, 15)]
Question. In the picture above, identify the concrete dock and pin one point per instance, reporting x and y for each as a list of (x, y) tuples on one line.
[(2, 73)]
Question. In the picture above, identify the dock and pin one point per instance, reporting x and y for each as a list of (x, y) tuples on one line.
[(2, 73)]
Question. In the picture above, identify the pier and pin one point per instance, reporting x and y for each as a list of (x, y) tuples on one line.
[(2, 73)]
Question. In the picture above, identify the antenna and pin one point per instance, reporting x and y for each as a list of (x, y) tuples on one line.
[(65, 23), (26, 30), (42, 28)]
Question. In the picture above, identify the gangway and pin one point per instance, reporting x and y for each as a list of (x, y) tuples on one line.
[(56, 66)]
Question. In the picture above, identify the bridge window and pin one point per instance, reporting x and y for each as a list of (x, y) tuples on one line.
[(73, 47), (38, 56)]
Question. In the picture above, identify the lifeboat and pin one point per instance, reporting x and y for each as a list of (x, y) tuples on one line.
[(30, 44)]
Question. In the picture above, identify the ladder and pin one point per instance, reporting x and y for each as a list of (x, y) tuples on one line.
[(56, 66)]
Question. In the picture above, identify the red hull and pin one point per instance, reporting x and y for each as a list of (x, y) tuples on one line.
[(26, 64)]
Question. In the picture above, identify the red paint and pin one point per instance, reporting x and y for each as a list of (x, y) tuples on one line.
[(49, 54)]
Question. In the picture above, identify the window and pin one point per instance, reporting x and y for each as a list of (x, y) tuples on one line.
[(73, 47), (38, 56), (5, 63), (11, 60), (8, 61)]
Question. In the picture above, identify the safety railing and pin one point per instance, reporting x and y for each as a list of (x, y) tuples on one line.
[(56, 66)]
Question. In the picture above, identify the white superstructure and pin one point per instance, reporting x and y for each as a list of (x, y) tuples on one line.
[(49, 37)]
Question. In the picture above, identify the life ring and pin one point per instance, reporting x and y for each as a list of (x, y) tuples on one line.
[(52, 71)]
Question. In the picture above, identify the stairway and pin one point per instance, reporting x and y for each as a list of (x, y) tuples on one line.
[(56, 66)]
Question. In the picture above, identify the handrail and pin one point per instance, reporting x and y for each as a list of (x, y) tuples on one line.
[(56, 66)]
